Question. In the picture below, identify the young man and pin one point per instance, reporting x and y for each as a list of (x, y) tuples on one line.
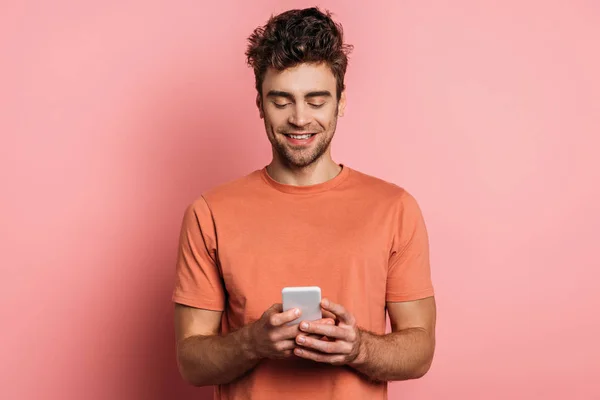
[(303, 220)]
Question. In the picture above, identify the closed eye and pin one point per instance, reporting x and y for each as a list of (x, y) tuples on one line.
[(283, 105)]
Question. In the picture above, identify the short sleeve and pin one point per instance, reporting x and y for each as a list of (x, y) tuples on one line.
[(409, 275), (198, 281)]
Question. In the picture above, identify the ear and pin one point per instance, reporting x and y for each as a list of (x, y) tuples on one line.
[(260, 106), (342, 104)]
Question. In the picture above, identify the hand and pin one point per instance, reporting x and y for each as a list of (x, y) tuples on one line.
[(271, 337), (344, 344)]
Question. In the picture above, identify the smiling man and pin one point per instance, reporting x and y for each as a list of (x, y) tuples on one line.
[(303, 220)]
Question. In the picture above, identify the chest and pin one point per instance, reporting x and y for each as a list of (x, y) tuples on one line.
[(342, 250)]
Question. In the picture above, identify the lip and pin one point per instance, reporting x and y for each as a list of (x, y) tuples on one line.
[(300, 142)]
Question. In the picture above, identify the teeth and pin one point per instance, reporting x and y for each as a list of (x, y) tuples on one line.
[(300, 136)]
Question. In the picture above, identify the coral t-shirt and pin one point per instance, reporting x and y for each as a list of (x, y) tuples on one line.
[(359, 238)]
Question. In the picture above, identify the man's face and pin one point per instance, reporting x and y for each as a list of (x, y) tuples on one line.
[(300, 110)]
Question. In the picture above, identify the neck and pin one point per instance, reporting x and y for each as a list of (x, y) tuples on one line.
[(319, 171)]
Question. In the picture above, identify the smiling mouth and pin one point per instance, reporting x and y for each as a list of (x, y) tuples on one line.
[(300, 137)]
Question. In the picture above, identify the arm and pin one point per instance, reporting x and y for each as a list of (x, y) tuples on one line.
[(203, 356), (407, 352), (206, 358)]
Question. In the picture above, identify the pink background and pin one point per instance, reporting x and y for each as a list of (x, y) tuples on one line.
[(116, 114)]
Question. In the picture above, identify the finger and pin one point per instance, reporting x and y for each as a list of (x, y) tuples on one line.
[(335, 347), (336, 359), (332, 331), (285, 345), (327, 321), (274, 309), (328, 314), (286, 332), (291, 331), (283, 354), (284, 317), (287, 354), (338, 310), (319, 337), (312, 335)]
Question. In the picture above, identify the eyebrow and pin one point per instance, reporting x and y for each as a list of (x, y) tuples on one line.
[(318, 93)]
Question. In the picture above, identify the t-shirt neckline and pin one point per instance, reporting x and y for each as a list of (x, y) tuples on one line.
[(306, 189)]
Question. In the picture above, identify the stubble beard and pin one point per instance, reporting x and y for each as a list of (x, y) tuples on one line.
[(295, 158)]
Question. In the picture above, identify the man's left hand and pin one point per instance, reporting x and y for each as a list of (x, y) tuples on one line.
[(344, 339)]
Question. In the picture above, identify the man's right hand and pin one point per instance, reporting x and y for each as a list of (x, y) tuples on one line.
[(272, 338)]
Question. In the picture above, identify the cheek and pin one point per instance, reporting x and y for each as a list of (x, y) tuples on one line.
[(275, 119), (325, 119)]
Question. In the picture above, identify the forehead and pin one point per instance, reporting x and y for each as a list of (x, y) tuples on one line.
[(300, 79)]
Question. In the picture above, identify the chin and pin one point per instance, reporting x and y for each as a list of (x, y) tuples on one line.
[(301, 163)]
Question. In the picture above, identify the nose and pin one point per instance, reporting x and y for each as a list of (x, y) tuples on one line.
[(300, 115)]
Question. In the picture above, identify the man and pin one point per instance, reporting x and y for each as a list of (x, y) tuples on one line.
[(303, 220)]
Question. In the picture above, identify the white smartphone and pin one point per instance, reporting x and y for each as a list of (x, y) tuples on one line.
[(306, 298)]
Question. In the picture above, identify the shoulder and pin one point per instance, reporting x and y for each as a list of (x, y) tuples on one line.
[(377, 187), (396, 198)]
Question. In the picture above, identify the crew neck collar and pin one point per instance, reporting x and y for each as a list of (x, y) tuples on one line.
[(306, 189)]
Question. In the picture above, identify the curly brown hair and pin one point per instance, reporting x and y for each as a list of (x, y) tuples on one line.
[(295, 37)]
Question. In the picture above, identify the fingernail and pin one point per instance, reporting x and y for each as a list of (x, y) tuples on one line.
[(301, 339), (326, 303), (304, 325), (297, 312)]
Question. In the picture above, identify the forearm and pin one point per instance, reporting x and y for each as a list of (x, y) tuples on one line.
[(402, 355), (214, 360)]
